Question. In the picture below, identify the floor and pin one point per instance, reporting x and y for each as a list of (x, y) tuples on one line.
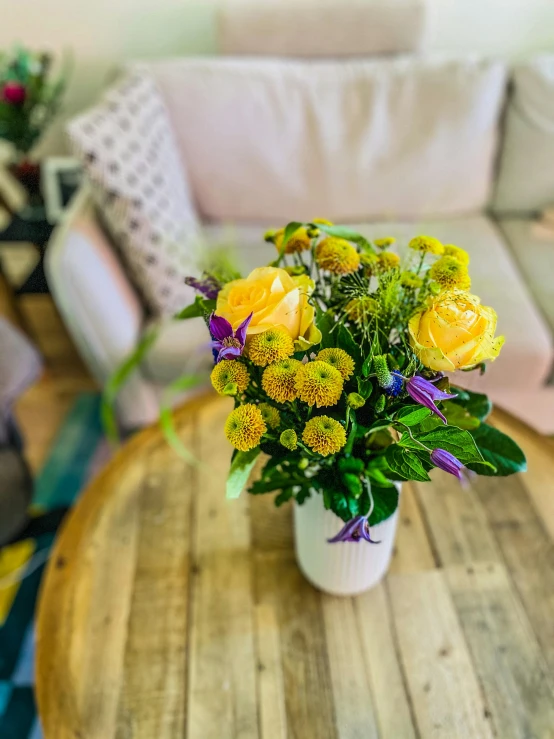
[(41, 410)]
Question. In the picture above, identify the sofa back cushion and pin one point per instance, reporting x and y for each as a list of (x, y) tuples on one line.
[(354, 140), (526, 168), (139, 185)]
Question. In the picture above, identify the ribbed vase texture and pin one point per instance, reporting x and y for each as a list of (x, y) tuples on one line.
[(344, 568)]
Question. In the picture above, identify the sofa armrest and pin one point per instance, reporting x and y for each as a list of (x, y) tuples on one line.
[(92, 292)]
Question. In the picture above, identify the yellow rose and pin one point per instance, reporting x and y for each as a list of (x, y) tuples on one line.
[(455, 332), (275, 299)]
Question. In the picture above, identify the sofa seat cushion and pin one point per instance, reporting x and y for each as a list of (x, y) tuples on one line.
[(535, 259), (527, 356), (394, 138)]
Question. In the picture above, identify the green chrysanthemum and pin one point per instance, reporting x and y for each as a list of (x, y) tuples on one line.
[(324, 435), (361, 309), (450, 273), (229, 372), (271, 416), (339, 359), (318, 383), (289, 439), (410, 280), (245, 427), (270, 346), (278, 380), (426, 245)]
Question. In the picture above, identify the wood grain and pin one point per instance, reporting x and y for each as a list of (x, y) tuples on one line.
[(439, 672), (170, 612), (508, 660)]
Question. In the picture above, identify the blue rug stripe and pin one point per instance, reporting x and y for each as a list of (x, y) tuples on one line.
[(24, 673), (66, 469), (18, 719), (5, 693)]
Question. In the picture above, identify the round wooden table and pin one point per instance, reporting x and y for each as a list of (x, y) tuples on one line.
[(169, 612)]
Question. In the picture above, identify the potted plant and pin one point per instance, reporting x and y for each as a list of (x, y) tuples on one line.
[(30, 98), (338, 358)]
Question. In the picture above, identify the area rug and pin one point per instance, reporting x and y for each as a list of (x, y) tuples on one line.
[(78, 452)]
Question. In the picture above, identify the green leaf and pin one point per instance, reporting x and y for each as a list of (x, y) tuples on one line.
[(342, 232), (325, 322), (405, 464), (476, 404), (199, 308), (411, 415), (339, 506), (385, 500), (366, 366), (346, 341), (290, 229), (118, 380), (284, 496), (178, 386), (450, 438), (240, 470), (499, 450), (457, 415)]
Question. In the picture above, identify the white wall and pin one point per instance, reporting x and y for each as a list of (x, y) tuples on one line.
[(103, 33)]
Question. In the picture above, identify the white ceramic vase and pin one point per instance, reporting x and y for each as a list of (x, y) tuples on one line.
[(344, 568)]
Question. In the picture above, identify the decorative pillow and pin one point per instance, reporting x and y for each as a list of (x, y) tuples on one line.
[(266, 140), (127, 147), (526, 173)]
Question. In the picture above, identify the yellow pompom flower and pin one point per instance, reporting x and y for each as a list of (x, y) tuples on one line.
[(410, 280), (299, 241), (229, 372), (318, 383), (270, 346), (245, 427), (323, 221), (337, 256), (455, 251), (384, 243), (289, 439), (271, 416), (339, 359), (426, 245), (387, 260), (361, 309), (324, 435), (450, 273), (278, 380)]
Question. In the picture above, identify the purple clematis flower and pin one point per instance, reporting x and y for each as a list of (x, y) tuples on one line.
[(355, 530), (208, 286), (449, 463), (227, 344), (424, 392)]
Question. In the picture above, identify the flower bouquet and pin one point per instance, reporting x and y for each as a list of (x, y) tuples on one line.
[(337, 358)]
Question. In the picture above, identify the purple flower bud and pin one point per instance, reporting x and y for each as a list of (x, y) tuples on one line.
[(355, 530), (449, 463), (425, 393), (207, 286)]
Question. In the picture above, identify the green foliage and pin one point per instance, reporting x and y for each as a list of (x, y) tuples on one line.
[(405, 464), (412, 415), (386, 502), (240, 470), (498, 450), (342, 232), (476, 404), (201, 308), (450, 438)]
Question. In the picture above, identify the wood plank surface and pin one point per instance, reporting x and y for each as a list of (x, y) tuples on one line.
[(383, 660), (444, 688), (508, 659), (170, 612)]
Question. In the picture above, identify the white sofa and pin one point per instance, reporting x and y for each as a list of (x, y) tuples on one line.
[(393, 146)]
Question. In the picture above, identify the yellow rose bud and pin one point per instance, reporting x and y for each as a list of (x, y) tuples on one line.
[(455, 332), (275, 299)]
